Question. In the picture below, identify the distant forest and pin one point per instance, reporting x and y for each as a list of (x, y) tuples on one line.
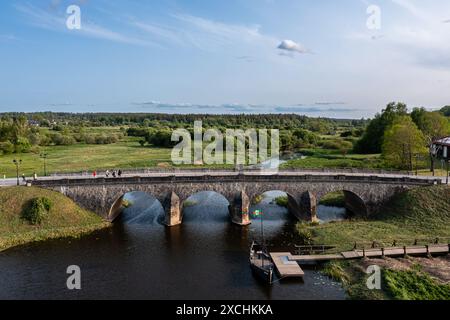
[(270, 121)]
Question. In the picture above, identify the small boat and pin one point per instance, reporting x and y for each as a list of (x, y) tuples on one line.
[(261, 263)]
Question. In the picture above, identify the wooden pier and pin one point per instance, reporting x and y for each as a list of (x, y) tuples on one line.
[(288, 265), (428, 250), (285, 266)]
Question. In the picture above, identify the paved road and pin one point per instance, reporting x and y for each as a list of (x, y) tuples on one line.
[(12, 182)]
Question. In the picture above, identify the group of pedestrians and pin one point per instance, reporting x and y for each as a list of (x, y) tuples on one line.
[(113, 173), (24, 178), (108, 173)]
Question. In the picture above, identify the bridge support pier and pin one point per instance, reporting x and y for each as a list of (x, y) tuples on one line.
[(172, 210), (355, 205), (239, 209), (305, 209)]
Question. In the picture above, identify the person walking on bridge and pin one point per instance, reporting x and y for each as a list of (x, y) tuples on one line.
[(94, 174), (34, 176)]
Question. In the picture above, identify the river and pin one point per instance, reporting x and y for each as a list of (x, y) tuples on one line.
[(138, 258)]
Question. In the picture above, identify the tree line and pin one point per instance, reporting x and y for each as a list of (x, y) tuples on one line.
[(18, 135), (402, 136)]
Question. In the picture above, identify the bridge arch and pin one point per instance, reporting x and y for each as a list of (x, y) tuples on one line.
[(122, 203), (259, 198), (353, 200), (213, 200)]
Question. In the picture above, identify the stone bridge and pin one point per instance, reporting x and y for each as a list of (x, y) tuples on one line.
[(363, 194)]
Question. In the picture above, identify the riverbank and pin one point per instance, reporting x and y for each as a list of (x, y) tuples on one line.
[(422, 214), (64, 219)]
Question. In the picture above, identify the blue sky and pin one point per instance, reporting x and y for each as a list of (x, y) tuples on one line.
[(309, 57)]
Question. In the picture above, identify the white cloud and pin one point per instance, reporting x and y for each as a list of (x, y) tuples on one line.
[(292, 46)]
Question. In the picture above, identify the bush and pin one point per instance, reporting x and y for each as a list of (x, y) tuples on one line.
[(282, 201), (37, 210), (6, 147), (305, 234)]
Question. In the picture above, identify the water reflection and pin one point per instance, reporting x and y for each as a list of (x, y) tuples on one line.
[(328, 213)]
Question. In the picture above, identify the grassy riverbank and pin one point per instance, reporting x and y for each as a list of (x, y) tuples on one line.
[(64, 219), (422, 214)]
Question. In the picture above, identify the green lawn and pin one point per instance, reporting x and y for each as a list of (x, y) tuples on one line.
[(322, 158), (80, 157)]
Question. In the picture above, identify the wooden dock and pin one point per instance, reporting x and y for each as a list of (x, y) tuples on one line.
[(288, 265), (435, 249), (285, 266)]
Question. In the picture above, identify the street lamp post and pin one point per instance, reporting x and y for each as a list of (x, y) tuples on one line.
[(44, 156), (17, 163), (448, 163)]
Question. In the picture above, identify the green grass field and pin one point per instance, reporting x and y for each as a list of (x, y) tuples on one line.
[(65, 218), (80, 157)]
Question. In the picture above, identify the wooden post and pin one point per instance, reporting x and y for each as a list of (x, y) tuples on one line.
[(428, 251), (382, 252)]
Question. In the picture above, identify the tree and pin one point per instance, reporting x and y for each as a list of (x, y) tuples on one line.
[(445, 111), (372, 139), (433, 124), (402, 141)]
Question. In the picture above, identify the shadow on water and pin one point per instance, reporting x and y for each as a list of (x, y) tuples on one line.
[(206, 257)]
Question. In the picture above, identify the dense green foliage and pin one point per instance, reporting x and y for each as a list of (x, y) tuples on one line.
[(18, 134), (37, 210), (372, 140), (432, 125), (445, 111), (402, 143)]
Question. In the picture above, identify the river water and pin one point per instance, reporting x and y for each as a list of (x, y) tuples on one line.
[(138, 258)]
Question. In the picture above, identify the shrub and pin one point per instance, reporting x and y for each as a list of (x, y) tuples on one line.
[(282, 201), (257, 199), (6, 147), (305, 234), (37, 210)]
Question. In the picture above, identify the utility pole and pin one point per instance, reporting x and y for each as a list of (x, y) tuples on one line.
[(17, 163), (44, 156)]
